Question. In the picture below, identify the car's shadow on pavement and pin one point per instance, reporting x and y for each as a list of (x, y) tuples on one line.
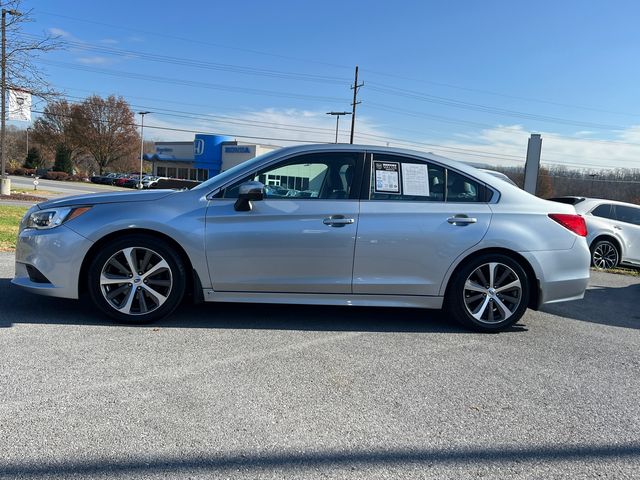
[(613, 306), (23, 307)]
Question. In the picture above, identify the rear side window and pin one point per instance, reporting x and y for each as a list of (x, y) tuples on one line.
[(604, 211), (393, 177), (461, 188), (628, 214)]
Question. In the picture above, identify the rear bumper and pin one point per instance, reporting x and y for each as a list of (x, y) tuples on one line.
[(563, 275), (57, 254)]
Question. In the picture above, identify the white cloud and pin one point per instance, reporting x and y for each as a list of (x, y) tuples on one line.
[(109, 41), (574, 151), (95, 60), (58, 32)]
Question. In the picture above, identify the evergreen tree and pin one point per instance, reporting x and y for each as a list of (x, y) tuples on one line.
[(34, 159), (63, 161)]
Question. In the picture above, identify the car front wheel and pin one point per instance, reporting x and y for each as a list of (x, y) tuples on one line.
[(489, 293), (136, 279)]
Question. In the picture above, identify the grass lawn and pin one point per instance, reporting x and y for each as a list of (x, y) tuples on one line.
[(31, 191), (10, 217)]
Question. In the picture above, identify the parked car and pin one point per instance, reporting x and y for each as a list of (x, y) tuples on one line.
[(104, 179), (347, 225), (614, 230)]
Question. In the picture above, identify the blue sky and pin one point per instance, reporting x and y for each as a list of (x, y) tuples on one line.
[(465, 79)]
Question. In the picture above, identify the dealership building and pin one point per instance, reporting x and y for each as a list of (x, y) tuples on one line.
[(205, 157)]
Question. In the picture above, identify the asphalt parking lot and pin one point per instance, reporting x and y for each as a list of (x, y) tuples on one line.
[(239, 391)]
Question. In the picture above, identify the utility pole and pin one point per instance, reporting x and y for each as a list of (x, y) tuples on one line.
[(338, 115), (142, 114), (355, 96), (5, 182), (28, 130)]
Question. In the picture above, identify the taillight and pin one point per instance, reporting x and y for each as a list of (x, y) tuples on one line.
[(575, 223)]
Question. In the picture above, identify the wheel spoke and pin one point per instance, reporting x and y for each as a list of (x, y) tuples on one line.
[(481, 276), (145, 260), (119, 266), (474, 287), (106, 279), (126, 308), (503, 277), (159, 297), (492, 274), (478, 312), (129, 254), (158, 282), (142, 302), (161, 265), (506, 313), (117, 291), (510, 286)]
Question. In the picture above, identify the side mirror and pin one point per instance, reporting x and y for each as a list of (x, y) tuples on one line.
[(248, 192)]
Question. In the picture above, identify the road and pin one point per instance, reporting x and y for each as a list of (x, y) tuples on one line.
[(239, 391), (67, 188)]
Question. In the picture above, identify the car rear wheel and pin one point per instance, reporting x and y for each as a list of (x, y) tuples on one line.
[(604, 254), (489, 293), (137, 279)]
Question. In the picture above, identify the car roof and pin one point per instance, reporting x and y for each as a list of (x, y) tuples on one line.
[(588, 203)]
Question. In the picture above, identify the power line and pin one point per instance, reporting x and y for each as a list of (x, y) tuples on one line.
[(165, 35), (189, 83), (486, 108), (182, 61), (498, 94)]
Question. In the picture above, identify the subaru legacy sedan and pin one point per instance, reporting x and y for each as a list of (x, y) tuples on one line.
[(314, 224)]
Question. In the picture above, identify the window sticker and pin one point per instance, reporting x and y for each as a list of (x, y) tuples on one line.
[(415, 179), (387, 177)]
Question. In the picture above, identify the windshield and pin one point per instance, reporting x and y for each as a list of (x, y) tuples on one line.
[(228, 174)]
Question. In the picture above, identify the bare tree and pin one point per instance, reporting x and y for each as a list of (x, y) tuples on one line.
[(106, 129), (23, 50)]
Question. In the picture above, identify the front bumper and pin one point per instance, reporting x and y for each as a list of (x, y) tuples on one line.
[(57, 254)]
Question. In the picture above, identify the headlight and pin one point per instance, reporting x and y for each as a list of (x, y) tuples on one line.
[(45, 219)]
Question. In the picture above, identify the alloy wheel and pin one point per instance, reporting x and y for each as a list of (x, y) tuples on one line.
[(136, 281), (492, 293), (605, 255)]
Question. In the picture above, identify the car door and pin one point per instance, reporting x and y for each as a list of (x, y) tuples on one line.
[(409, 232), (628, 227), (300, 238)]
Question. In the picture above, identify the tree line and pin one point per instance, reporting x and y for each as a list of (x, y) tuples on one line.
[(95, 135), (621, 184)]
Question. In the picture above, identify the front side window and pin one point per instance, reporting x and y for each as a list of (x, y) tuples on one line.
[(312, 176), (628, 214)]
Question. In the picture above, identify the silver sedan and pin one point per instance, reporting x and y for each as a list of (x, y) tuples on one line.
[(314, 224)]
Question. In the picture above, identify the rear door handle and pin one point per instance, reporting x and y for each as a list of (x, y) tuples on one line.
[(338, 221), (461, 220)]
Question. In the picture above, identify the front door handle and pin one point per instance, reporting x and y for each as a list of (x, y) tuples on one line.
[(461, 219), (338, 221)]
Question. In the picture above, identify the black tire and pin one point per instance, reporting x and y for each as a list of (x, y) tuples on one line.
[(159, 287), (605, 254), (485, 309)]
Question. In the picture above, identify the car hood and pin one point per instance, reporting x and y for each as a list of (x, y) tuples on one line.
[(99, 198)]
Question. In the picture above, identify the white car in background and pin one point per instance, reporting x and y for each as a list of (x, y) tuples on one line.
[(613, 230)]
